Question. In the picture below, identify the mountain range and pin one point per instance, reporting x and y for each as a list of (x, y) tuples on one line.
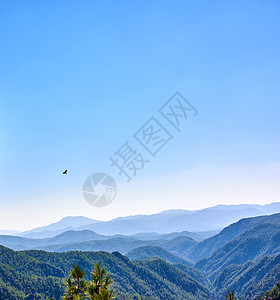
[(244, 257), (208, 219)]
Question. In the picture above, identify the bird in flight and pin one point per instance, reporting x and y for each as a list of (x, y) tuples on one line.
[(65, 172)]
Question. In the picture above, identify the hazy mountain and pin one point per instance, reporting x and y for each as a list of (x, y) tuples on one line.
[(249, 280), (19, 243), (122, 245), (75, 237), (261, 240), (65, 224), (145, 252), (181, 244), (23, 243), (203, 220), (87, 240), (209, 219), (207, 247), (271, 208), (265, 209), (197, 236), (245, 257), (178, 245)]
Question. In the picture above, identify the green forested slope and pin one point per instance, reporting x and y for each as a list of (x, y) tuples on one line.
[(178, 278), (26, 264), (207, 247), (245, 257), (197, 274), (249, 280), (253, 244), (18, 285), (145, 252), (38, 272)]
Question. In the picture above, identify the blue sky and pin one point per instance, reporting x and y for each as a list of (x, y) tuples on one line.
[(79, 78)]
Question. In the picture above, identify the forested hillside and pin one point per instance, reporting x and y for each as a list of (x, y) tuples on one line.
[(207, 247), (38, 272), (244, 257), (146, 252)]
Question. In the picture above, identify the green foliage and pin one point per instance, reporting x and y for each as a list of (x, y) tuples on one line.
[(254, 243), (146, 252), (207, 247), (75, 284), (100, 286), (185, 285), (250, 279), (196, 274), (238, 263), (17, 285), (133, 280)]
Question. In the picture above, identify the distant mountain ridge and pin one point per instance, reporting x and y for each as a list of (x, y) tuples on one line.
[(65, 224), (165, 222), (87, 240), (244, 257)]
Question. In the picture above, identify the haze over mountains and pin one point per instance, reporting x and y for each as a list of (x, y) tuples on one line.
[(76, 233), (244, 257), (208, 219)]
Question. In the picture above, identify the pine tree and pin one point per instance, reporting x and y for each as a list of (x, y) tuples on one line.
[(75, 285), (100, 286)]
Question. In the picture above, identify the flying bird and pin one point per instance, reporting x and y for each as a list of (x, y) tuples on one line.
[(65, 172)]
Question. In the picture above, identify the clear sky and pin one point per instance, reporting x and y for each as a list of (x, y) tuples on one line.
[(79, 78)]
